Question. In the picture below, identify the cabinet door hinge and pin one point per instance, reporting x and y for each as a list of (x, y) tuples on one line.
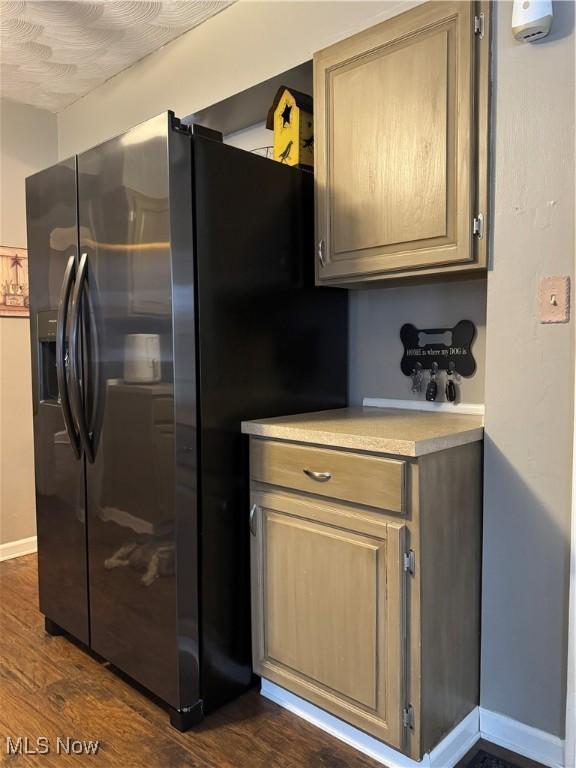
[(408, 717), (410, 562), (479, 25), (478, 226)]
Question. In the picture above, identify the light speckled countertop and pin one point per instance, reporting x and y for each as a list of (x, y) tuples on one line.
[(380, 430)]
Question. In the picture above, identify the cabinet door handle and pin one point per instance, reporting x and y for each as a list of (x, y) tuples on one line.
[(321, 253), (253, 509), (320, 477)]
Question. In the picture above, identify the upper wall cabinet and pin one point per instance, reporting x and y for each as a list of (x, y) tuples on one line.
[(401, 124)]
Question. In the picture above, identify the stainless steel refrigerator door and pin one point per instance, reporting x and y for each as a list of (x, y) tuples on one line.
[(130, 238), (59, 466)]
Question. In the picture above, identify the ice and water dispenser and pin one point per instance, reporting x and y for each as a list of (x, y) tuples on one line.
[(48, 379)]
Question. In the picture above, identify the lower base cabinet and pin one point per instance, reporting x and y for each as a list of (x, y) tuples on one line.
[(370, 614), (328, 608)]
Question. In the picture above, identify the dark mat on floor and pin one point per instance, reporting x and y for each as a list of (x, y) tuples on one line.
[(484, 759)]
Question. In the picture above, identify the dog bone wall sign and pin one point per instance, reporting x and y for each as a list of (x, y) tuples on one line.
[(447, 347)]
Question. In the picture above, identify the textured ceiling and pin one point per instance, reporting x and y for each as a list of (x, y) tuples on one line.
[(52, 52)]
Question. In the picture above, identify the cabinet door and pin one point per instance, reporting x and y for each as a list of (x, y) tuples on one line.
[(395, 147), (328, 608)]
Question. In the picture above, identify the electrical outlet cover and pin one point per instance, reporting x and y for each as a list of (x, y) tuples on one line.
[(554, 299)]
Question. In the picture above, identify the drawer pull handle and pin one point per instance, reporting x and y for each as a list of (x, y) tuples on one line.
[(320, 477)]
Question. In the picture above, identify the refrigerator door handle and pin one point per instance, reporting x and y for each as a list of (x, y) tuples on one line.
[(75, 378), (66, 289), (93, 369)]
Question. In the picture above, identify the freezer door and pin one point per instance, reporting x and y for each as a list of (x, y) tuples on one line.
[(59, 465), (133, 243)]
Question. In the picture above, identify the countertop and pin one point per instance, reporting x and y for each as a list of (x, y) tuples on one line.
[(379, 430)]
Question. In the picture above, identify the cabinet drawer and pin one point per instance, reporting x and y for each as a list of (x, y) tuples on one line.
[(370, 480)]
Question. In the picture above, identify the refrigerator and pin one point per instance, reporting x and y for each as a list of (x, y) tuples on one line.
[(171, 297)]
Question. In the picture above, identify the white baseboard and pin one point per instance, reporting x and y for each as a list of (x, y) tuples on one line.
[(480, 723), (523, 739), (18, 548), (457, 743), (472, 409), (445, 755)]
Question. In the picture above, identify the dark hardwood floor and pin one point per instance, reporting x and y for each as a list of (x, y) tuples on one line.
[(51, 687)]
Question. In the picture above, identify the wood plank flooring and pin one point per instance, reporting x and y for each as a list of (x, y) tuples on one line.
[(51, 687)]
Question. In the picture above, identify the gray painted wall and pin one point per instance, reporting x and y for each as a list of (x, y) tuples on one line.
[(529, 380), (376, 316)]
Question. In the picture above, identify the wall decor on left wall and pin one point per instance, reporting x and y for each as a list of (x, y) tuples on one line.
[(14, 282)]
